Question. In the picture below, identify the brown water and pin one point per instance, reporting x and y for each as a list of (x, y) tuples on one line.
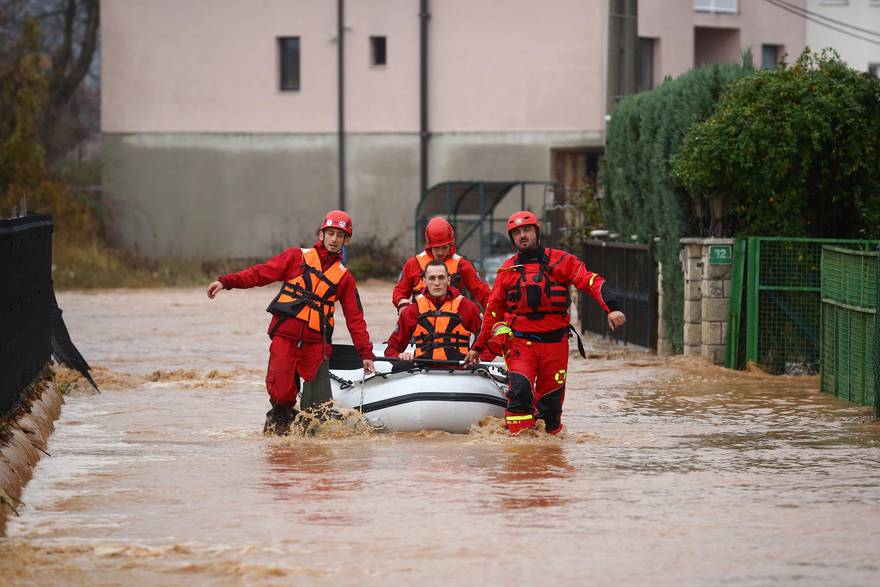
[(671, 474)]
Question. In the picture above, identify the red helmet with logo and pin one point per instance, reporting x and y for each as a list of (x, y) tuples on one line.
[(439, 232), (337, 219), (524, 218)]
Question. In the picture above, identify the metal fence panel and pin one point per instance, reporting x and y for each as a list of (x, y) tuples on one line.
[(849, 323), (784, 302), (25, 293), (631, 272), (877, 341)]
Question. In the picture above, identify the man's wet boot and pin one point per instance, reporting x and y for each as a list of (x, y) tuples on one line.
[(516, 423), (558, 432), (279, 419)]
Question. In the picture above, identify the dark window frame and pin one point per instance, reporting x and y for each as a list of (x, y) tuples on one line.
[(378, 50), (778, 52), (289, 73), (647, 48)]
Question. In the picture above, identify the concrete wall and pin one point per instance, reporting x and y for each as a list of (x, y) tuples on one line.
[(864, 14), (253, 194), (217, 195)]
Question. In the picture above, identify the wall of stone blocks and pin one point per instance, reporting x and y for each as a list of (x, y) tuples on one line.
[(706, 299)]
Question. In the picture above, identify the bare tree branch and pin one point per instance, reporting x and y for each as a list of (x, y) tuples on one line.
[(66, 79)]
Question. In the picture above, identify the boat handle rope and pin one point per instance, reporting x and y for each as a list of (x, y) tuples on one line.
[(343, 383)]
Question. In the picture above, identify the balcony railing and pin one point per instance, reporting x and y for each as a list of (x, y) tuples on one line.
[(722, 6)]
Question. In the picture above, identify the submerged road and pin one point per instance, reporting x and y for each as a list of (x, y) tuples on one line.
[(672, 473)]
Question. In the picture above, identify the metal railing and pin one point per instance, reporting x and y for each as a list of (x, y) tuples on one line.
[(631, 272), (782, 290), (25, 298), (849, 314)]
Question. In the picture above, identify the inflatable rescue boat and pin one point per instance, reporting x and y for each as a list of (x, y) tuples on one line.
[(425, 397)]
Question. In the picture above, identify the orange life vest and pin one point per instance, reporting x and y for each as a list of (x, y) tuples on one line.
[(439, 333), (536, 293), (310, 296), (452, 262)]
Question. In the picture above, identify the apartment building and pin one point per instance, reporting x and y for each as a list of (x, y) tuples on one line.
[(850, 27), (231, 126)]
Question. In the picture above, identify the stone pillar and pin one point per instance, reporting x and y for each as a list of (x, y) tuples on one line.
[(706, 300), (693, 282), (716, 302), (664, 349)]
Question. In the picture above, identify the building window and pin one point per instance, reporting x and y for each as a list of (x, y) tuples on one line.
[(288, 50), (770, 55), (377, 51), (646, 63), (725, 6), (874, 69)]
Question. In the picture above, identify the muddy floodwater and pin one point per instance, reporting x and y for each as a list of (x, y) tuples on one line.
[(671, 473)]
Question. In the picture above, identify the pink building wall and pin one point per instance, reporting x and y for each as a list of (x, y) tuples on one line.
[(518, 65), (211, 66), (672, 22)]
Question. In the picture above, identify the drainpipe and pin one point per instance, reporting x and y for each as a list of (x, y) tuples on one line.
[(424, 135), (623, 44), (340, 68)]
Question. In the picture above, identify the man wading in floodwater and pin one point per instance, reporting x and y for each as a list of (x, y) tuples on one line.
[(302, 318), (531, 291), (440, 322), (440, 246)]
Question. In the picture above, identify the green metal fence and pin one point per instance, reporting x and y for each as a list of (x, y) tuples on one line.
[(877, 345), (849, 312), (783, 314)]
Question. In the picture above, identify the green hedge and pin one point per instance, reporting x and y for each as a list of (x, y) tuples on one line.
[(645, 133), (793, 151)]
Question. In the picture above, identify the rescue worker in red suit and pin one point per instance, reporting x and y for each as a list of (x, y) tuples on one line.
[(440, 239), (301, 329), (531, 293), (440, 322)]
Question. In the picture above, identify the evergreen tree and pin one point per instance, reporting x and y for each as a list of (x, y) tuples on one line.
[(645, 133)]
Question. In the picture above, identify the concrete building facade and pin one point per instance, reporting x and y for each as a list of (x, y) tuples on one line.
[(221, 117), (850, 27)]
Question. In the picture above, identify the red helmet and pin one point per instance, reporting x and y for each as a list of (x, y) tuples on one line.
[(439, 232), (524, 218), (337, 219)]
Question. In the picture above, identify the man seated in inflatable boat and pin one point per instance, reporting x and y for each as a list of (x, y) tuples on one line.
[(440, 322)]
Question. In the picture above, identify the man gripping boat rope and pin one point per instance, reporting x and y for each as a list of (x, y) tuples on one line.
[(527, 315)]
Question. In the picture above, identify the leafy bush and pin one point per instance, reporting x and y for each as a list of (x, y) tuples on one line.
[(793, 151), (645, 133), (373, 257)]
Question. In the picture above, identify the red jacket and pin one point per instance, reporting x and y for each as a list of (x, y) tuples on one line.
[(288, 265), (412, 274), (406, 322), (566, 270)]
